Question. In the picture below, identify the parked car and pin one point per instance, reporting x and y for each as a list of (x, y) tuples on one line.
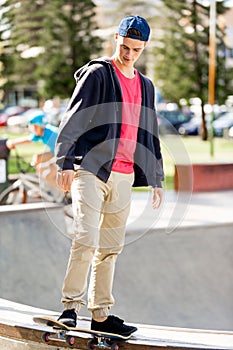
[(21, 120), (170, 121), (9, 112), (192, 127), (223, 124), (230, 134)]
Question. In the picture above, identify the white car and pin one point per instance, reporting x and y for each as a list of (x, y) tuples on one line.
[(231, 132), (21, 120)]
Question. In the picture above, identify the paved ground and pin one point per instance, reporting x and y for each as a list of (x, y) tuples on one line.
[(182, 210)]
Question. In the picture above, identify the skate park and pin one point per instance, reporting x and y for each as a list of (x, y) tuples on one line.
[(175, 271)]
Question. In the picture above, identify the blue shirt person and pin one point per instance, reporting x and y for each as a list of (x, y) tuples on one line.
[(41, 131), (48, 137)]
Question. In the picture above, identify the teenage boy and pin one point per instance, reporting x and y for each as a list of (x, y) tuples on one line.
[(107, 142)]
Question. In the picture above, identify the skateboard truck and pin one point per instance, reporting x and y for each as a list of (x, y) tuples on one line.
[(101, 342), (58, 335)]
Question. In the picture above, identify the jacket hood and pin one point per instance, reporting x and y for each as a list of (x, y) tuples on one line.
[(102, 60), (106, 61)]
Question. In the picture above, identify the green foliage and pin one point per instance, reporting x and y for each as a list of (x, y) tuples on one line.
[(6, 52), (47, 42), (69, 43), (127, 8), (181, 52)]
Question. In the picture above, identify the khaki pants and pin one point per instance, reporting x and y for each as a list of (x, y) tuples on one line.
[(100, 214)]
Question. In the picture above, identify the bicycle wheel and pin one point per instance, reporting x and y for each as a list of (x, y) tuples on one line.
[(13, 195)]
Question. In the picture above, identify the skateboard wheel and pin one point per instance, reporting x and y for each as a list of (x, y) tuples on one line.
[(70, 340), (45, 337), (91, 344), (114, 347)]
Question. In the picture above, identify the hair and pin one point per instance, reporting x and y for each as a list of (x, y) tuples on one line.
[(132, 31)]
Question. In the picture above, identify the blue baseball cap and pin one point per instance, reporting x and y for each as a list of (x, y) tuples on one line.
[(37, 118), (135, 22)]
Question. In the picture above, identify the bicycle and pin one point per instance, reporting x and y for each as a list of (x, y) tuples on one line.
[(29, 185)]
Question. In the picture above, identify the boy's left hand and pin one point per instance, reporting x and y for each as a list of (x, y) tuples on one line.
[(157, 197)]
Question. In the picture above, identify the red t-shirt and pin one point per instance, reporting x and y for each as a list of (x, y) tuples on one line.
[(131, 107)]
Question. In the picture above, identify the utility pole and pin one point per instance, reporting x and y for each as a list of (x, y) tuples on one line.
[(212, 67)]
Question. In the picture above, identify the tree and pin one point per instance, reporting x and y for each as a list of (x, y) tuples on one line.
[(181, 64), (21, 40), (69, 42), (137, 7), (6, 52), (47, 41)]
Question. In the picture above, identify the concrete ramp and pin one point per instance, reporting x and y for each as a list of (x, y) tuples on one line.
[(34, 251), (183, 279), (18, 331)]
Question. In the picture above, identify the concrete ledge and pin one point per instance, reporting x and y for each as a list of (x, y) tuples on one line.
[(34, 252), (23, 208), (14, 344), (203, 177), (16, 324)]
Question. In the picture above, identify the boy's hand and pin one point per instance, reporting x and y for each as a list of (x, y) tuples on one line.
[(65, 179), (157, 197)]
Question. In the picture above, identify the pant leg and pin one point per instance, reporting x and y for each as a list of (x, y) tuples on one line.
[(87, 198), (112, 235)]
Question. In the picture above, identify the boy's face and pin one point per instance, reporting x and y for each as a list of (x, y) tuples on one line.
[(128, 50), (36, 129)]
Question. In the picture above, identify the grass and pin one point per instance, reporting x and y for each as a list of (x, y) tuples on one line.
[(175, 150), (25, 151)]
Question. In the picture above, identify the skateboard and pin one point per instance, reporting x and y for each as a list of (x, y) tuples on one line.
[(100, 340)]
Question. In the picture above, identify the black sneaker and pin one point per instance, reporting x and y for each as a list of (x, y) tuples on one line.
[(113, 325), (69, 318)]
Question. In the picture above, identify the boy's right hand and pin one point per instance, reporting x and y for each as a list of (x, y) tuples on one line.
[(65, 179)]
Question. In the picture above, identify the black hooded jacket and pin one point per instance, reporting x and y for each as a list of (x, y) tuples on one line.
[(90, 130)]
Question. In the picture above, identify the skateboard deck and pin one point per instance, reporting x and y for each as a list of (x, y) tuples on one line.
[(60, 331)]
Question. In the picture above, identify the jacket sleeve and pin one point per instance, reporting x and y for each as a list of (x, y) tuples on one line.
[(77, 118)]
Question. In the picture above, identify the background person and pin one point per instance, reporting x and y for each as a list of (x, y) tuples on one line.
[(46, 133)]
